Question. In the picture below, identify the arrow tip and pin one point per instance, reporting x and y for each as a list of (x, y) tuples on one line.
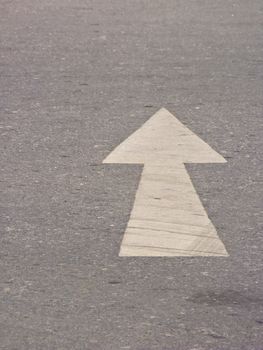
[(163, 139)]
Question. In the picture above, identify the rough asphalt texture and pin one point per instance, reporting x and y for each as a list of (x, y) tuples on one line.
[(76, 78)]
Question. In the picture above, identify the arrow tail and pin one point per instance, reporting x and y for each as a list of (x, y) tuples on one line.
[(168, 219)]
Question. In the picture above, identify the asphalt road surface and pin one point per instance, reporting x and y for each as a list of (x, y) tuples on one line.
[(77, 77)]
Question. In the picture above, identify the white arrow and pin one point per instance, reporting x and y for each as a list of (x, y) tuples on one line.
[(168, 218)]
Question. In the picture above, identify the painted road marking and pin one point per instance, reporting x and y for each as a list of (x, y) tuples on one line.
[(168, 218)]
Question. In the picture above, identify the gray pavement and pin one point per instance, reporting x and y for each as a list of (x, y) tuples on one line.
[(76, 78)]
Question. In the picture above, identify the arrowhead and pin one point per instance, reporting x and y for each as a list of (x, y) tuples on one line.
[(163, 139)]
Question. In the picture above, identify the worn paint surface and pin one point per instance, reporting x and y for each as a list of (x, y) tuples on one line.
[(168, 218)]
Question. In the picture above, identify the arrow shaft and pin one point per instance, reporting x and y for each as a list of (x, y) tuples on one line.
[(168, 218)]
